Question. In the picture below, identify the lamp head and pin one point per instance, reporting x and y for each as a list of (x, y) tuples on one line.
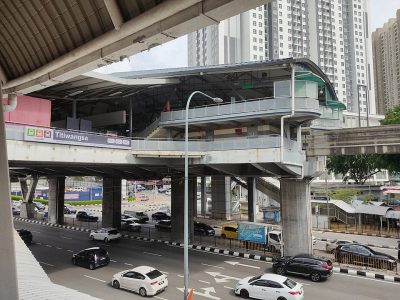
[(217, 100)]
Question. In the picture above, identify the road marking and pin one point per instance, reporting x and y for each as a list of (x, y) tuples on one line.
[(94, 278), (181, 276), (207, 265), (49, 246), (113, 260), (228, 287), (221, 278), (70, 251), (236, 263), (150, 253), (35, 231), (163, 272), (204, 281), (59, 248), (43, 263), (66, 237), (128, 264), (159, 298), (38, 243), (365, 278)]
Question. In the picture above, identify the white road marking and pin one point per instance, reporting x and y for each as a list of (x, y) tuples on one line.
[(66, 237), (181, 276), (228, 287), (38, 243), (113, 260), (59, 248), (204, 281), (94, 278), (163, 272), (49, 246), (35, 231), (236, 263), (150, 253), (365, 278), (159, 298), (128, 264), (70, 251), (43, 263), (207, 265)]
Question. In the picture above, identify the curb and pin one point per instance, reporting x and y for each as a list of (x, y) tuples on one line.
[(358, 233), (223, 251), (369, 245)]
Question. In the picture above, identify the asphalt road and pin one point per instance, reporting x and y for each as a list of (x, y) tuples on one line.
[(212, 275)]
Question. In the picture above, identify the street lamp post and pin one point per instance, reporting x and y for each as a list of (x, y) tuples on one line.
[(186, 196)]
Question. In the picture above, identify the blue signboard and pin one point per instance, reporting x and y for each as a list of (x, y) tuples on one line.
[(253, 232)]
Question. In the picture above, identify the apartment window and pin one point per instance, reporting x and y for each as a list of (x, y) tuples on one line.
[(254, 39), (254, 23), (260, 32), (255, 48), (254, 31), (254, 15), (255, 56)]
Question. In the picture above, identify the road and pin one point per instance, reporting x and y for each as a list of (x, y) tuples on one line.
[(212, 275)]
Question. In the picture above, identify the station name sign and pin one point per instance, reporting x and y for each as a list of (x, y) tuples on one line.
[(59, 136)]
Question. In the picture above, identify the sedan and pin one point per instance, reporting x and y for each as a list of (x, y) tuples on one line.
[(91, 258), (144, 280), (332, 245), (69, 209), (131, 224), (25, 235), (164, 225), (86, 216), (105, 234), (160, 216), (269, 286), (203, 229)]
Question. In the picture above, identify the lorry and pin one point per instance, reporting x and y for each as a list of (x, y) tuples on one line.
[(268, 234)]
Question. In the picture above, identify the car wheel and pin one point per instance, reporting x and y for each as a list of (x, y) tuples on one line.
[(281, 298), (74, 261), (315, 277), (115, 284), (92, 266), (244, 294), (92, 238), (223, 236), (105, 240), (142, 292), (280, 271)]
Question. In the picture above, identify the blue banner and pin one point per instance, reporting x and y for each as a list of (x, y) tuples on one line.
[(253, 232)]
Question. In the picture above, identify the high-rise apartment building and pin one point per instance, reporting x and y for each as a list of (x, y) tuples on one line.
[(386, 51), (332, 33)]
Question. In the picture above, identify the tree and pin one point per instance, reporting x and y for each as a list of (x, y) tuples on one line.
[(392, 116), (344, 194), (355, 167)]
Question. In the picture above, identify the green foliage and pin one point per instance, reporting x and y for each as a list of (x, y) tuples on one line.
[(392, 116), (344, 194), (131, 199), (355, 167), (77, 203), (368, 198), (15, 197)]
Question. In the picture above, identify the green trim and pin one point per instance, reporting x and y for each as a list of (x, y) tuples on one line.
[(335, 104)]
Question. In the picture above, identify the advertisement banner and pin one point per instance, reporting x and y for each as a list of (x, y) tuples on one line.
[(60, 136), (253, 232)]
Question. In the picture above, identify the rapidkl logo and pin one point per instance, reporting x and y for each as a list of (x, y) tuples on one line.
[(39, 133)]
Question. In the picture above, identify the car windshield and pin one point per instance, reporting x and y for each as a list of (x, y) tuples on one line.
[(113, 231), (154, 274), (254, 278), (290, 283)]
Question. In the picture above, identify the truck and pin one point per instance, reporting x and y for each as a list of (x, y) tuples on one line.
[(268, 234)]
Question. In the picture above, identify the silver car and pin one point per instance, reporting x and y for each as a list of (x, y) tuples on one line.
[(332, 245)]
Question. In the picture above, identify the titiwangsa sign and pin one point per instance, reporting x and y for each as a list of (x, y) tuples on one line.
[(59, 136)]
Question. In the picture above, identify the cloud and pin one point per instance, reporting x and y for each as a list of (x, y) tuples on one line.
[(169, 55)]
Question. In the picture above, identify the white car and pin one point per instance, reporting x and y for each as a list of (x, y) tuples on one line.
[(332, 245), (144, 280), (131, 224), (105, 234), (269, 286)]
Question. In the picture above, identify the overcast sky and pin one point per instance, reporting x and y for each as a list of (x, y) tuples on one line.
[(174, 54)]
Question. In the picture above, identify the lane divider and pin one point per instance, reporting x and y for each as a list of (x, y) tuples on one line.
[(226, 252), (369, 245)]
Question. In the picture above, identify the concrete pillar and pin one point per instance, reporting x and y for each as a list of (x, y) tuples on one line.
[(111, 216), (221, 197), (8, 277), (296, 216), (56, 199), (177, 208), (203, 200), (251, 198), (195, 212), (28, 192)]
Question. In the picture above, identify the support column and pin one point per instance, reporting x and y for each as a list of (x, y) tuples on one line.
[(56, 199), (296, 216), (111, 215), (221, 197), (177, 207), (27, 206), (195, 212), (203, 200), (251, 198), (8, 277)]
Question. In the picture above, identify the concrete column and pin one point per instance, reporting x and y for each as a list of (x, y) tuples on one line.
[(111, 216), (28, 192), (195, 212), (8, 276), (203, 200), (296, 216), (56, 199), (251, 198), (221, 197), (177, 208)]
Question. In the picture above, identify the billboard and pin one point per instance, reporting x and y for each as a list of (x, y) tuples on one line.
[(59, 136), (249, 231)]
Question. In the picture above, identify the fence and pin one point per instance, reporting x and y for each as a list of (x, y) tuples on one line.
[(365, 261)]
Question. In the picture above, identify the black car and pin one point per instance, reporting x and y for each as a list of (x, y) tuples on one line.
[(25, 235), (203, 229), (85, 216), (317, 268), (164, 225), (363, 255), (91, 258), (69, 209), (160, 216)]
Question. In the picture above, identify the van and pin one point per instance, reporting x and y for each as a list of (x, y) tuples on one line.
[(141, 216)]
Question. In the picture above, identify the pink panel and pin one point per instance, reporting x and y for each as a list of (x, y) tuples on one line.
[(30, 111)]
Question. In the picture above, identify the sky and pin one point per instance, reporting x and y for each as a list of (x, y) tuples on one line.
[(174, 54)]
